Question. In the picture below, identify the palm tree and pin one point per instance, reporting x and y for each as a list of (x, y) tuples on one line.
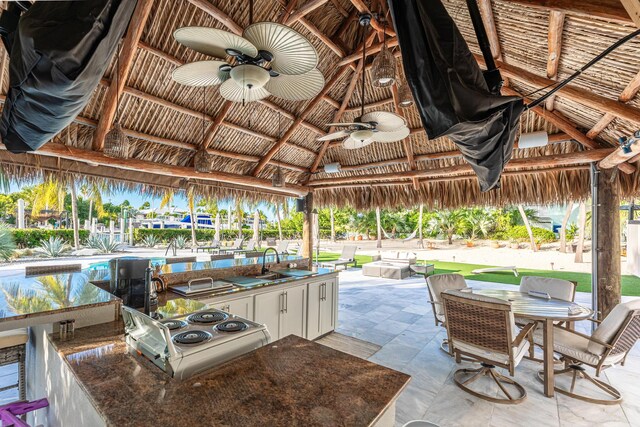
[(239, 214), (378, 229), (525, 220), (446, 223), (476, 222), (93, 192), (275, 208), (192, 214), (47, 196), (75, 222)]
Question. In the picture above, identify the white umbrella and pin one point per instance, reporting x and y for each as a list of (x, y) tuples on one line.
[(217, 235), (256, 226)]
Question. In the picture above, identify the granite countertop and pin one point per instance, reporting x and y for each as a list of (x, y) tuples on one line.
[(22, 297), (292, 382)]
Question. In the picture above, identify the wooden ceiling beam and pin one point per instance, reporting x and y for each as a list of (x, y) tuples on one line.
[(362, 8), (633, 10), (554, 47), (606, 9), (629, 92), (218, 15), (566, 126), (451, 178), (376, 48), (52, 149), (553, 139), (548, 161), (123, 66), (375, 104), (305, 9), (573, 93), (308, 109)]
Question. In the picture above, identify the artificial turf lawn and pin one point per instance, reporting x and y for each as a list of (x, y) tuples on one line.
[(630, 284)]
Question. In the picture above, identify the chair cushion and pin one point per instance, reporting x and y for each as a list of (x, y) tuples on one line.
[(574, 346), (518, 352), (609, 327), (439, 283), (556, 288), (13, 337)]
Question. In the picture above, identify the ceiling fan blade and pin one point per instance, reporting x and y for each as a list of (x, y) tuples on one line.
[(298, 87), (386, 121), (231, 91), (350, 124), (396, 135), (213, 42), (201, 73), (334, 135), (292, 53), (354, 144)]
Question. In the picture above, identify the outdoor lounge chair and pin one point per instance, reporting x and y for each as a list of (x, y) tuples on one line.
[(347, 257), (237, 246), (214, 245), (608, 345), (436, 285), (483, 328), (282, 247)]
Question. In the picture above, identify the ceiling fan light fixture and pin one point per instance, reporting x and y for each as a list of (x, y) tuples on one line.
[(383, 69), (250, 76), (362, 135)]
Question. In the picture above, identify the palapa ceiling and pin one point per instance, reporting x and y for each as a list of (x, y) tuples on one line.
[(164, 120)]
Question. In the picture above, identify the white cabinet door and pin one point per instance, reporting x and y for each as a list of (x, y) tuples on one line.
[(314, 310), (268, 309), (294, 316), (242, 307), (328, 307)]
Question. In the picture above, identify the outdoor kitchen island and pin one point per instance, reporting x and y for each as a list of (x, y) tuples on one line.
[(289, 382)]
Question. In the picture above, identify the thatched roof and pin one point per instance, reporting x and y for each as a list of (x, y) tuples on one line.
[(164, 119)]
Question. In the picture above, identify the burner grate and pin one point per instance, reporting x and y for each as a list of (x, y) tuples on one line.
[(207, 317), (174, 324), (191, 337), (232, 326)]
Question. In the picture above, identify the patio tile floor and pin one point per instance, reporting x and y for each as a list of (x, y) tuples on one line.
[(396, 315)]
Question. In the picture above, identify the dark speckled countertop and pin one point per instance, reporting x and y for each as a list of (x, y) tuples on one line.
[(290, 382)]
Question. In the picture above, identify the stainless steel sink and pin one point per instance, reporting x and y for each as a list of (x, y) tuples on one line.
[(272, 276)]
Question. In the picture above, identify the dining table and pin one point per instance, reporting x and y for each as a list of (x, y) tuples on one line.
[(547, 311)]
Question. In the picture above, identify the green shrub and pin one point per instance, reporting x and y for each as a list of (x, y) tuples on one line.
[(202, 235), (33, 237), (500, 235), (7, 245), (542, 235), (54, 247)]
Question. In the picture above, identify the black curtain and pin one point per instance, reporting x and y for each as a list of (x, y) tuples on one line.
[(58, 54), (450, 90)]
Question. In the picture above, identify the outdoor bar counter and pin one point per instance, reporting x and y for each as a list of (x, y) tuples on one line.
[(290, 382)]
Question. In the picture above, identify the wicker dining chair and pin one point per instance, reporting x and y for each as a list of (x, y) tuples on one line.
[(436, 284), (483, 328), (556, 288), (608, 345)]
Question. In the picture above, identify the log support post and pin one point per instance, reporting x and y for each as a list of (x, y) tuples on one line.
[(607, 270), (307, 228)]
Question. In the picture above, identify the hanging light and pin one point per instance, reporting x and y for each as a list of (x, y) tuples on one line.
[(202, 161), (383, 69), (405, 97), (277, 180), (116, 143)]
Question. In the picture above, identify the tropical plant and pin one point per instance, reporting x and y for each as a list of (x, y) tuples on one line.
[(93, 192), (7, 244), (102, 244), (54, 247), (150, 241), (47, 196), (520, 233), (476, 223), (180, 242), (446, 223)]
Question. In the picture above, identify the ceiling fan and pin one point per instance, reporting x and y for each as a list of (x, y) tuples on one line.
[(376, 126), (269, 59)]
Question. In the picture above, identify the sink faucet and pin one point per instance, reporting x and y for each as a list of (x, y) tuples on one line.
[(264, 259)]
